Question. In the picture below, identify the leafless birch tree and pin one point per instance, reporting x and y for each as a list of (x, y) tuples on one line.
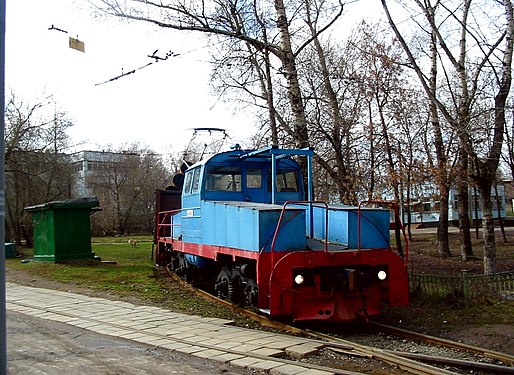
[(483, 48)]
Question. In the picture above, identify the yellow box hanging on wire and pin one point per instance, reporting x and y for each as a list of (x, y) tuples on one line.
[(76, 44)]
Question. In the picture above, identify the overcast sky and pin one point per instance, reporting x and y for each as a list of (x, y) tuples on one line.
[(157, 105)]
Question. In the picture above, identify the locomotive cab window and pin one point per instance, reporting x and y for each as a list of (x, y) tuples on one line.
[(253, 178), (188, 182), (223, 179), (287, 181), (196, 181), (192, 181)]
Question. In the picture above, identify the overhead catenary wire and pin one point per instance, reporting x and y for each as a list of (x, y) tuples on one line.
[(154, 56), (57, 29)]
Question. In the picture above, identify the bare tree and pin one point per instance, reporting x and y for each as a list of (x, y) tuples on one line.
[(334, 107), (37, 170), (125, 181), (487, 166), (466, 79)]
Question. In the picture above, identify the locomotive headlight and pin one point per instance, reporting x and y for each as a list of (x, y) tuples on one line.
[(298, 279), (382, 275)]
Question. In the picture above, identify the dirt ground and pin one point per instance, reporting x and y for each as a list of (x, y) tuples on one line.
[(425, 259)]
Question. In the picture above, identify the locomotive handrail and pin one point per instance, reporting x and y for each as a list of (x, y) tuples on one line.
[(165, 215), (397, 220), (311, 224)]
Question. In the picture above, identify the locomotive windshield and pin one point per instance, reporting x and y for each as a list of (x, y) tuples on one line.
[(287, 181), (191, 185), (254, 178), (269, 175), (223, 178)]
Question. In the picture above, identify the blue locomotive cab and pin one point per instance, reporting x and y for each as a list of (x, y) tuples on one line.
[(220, 191), (234, 176)]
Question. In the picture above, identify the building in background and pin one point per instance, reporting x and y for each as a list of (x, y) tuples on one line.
[(426, 211), (509, 195), (89, 167)]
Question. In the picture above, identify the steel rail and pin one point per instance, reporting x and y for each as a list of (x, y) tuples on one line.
[(503, 357), (413, 367), (490, 368)]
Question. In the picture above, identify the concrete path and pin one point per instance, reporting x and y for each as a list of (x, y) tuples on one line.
[(207, 338)]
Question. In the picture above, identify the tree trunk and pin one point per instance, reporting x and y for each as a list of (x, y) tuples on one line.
[(488, 228), (466, 247), (499, 209), (442, 228), (267, 87), (269, 98), (291, 75), (409, 213), (475, 213), (443, 170)]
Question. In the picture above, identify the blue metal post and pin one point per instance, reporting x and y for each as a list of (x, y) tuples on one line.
[(3, 315), (273, 178), (310, 195)]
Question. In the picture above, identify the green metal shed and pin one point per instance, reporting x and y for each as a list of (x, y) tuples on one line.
[(10, 250), (62, 229)]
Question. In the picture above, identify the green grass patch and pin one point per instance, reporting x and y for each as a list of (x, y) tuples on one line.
[(132, 274), (146, 240), (132, 270)]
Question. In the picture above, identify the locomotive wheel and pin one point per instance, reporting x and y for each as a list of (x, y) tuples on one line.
[(162, 255), (228, 287), (186, 276), (173, 261), (251, 293), (222, 284)]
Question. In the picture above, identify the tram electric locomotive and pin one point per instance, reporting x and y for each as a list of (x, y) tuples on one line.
[(247, 224)]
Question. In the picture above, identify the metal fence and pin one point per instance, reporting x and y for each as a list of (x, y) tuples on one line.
[(466, 285)]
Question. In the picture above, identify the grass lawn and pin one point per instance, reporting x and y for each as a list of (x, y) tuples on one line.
[(127, 272), (132, 268)]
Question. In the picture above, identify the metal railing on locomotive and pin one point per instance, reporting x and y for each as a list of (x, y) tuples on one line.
[(281, 218), (359, 216), (168, 216), (397, 219)]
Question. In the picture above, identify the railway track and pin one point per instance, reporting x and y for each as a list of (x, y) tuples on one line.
[(503, 357), (409, 362)]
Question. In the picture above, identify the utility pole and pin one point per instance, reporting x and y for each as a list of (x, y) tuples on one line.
[(3, 315)]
